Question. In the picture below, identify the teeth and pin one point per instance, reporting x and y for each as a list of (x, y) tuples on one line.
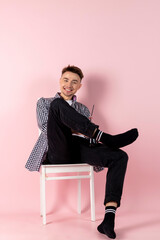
[(68, 90)]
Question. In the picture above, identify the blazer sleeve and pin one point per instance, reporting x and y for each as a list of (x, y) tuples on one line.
[(86, 112), (42, 111)]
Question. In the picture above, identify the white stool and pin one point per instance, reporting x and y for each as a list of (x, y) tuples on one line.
[(80, 169)]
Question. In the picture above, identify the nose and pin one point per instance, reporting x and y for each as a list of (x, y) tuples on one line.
[(69, 84)]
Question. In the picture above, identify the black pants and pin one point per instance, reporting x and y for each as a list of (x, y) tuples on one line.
[(64, 148)]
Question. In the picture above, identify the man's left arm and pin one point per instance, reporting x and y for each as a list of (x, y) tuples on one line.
[(82, 109)]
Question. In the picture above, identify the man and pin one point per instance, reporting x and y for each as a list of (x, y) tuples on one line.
[(65, 125)]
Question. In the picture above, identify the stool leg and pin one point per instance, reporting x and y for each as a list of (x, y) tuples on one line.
[(43, 196), (41, 213), (79, 196), (92, 197)]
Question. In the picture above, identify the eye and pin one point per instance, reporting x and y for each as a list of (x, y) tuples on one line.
[(74, 82)]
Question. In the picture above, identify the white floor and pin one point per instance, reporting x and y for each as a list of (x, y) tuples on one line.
[(63, 225)]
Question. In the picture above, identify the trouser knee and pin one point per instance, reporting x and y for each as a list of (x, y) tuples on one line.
[(124, 157), (56, 103)]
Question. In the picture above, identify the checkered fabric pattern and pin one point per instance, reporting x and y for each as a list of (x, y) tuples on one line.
[(39, 151)]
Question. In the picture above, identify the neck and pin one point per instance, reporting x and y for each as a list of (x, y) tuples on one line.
[(66, 97)]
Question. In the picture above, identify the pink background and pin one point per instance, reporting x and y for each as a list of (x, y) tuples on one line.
[(116, 43)]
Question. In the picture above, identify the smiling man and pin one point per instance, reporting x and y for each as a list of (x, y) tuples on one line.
[(65, 138)]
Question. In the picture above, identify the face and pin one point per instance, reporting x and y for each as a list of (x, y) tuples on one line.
[(69, 84)]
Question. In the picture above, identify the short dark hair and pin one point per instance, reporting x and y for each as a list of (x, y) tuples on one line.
[(73, 69)]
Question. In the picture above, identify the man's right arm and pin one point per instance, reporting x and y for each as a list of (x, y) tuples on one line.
[(42, 111)]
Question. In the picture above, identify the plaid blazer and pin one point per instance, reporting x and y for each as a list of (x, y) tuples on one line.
[(38, 154)]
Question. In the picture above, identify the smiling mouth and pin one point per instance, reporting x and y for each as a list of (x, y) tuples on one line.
[(67, 90)]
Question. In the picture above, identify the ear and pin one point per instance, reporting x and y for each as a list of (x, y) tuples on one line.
[(80, 85)]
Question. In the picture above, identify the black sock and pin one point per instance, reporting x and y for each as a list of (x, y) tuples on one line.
[(117, 141), (107, 226)]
